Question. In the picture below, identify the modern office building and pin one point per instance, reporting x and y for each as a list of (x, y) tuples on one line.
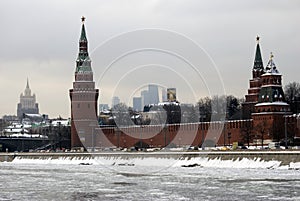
[(137, 104), (150, 96), (171, 94), (164, 95), (145, 97), (153, 94), (115, 101)]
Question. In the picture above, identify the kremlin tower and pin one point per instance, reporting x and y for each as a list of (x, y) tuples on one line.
[(83, 97), (255, 83), (268, 115), (265, 102)]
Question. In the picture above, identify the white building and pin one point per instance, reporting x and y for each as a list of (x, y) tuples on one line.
[(27, 103)]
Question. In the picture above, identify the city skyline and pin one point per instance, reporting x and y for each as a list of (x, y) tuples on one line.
[(43, 47)]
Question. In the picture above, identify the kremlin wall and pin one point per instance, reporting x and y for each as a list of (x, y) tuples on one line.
[(266, 115)]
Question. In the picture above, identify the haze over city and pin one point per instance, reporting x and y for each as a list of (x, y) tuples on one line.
[(40, 42)]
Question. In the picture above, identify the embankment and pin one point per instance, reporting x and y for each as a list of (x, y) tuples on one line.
[(284, 157)]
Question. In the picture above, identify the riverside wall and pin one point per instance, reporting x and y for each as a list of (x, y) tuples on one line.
[(285, 157)]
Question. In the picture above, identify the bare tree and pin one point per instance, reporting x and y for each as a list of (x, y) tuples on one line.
[(292, 90), (247, 134), (262, 129), (292, 96), (121, 115), (204, 105), (220, 107)]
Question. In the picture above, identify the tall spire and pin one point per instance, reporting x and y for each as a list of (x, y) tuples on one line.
[(83, 34), (83, 62), (258, 63), (27, 91), (27, 84)]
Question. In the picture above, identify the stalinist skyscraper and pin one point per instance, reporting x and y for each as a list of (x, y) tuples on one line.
[(83, 97), (27, 103)]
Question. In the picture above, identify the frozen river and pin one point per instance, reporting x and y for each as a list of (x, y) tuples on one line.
[(30, 180)]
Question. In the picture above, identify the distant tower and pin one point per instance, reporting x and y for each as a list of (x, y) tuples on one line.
[(255, 84), (27, 103), (83, 97)]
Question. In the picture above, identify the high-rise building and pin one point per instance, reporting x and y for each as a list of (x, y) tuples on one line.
[(171, 94), (137, 103), (164, 95), (153, 94), (145, 97), (84, 97), (115, 101), (150, 96), (27, 103)]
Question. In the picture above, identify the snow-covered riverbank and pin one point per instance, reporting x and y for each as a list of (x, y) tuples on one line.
[(227, 159)]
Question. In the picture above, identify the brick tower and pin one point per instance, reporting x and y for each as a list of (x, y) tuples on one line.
[(83, 97), (255, 84), (268, 117)]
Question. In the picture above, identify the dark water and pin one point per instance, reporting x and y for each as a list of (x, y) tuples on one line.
[(98, 182)]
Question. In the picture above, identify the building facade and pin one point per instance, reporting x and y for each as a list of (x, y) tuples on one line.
[(27, 103)]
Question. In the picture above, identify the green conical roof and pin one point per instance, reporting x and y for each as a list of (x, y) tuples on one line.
[(83, 34), (258, 63), (83, 62)]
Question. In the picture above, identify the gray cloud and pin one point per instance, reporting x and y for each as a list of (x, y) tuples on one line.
[(39, 40)]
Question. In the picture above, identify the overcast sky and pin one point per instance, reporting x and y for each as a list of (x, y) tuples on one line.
[(39, 40)]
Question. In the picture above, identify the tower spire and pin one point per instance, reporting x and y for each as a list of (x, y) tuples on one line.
[(271, 67), (83, 34), (258, 63), (27, 84), (83, 62), (27, 91)]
